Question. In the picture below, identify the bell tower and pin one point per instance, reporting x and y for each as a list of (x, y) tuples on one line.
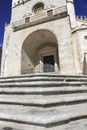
[(71, 13)]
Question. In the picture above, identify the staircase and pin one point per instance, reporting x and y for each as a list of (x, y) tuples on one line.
[(43, 102)]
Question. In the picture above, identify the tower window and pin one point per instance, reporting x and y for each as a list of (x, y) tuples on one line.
[(38, 8), (85, 37)]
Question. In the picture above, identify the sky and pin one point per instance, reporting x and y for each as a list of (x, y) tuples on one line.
[(5, 13), (81, 7)]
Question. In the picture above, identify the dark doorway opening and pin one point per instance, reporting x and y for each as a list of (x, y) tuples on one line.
[(48, 62)]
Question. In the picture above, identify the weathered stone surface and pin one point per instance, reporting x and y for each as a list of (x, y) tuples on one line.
[(28, 46), (42, 107), (43, 101)]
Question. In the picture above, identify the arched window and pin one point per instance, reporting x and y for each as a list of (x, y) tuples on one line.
[(38, 8)]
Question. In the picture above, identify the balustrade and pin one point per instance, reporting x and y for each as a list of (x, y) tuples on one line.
[(42, 16)]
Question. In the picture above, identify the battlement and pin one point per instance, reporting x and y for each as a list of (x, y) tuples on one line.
[(81, 18)]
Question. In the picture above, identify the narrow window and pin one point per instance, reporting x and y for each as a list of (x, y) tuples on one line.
[(85, 37)]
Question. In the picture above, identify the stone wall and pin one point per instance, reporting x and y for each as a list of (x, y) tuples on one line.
[(60, 28), (23, 9), (58, 24)]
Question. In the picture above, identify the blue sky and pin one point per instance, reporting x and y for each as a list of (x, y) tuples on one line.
[(5, 12), (81, 7)]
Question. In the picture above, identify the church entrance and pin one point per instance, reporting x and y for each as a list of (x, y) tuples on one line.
[(40, 53), (48, 63)]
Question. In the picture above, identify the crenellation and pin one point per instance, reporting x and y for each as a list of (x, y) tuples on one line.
[(81, 17)]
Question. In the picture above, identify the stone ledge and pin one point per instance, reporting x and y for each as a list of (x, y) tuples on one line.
[(46, 119), (43, 101), (42, 75), (43, 90), (42, 84), (48, 19)]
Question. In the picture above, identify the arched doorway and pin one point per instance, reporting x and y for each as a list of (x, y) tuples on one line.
[(40, 53)]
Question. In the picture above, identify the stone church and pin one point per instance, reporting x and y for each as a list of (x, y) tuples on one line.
[(43, 83), (43, 36)]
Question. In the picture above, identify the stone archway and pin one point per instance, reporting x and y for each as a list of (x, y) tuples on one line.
[(37, 48)]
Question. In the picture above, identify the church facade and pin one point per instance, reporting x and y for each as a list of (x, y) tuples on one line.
[(43, 83), (42, 37)]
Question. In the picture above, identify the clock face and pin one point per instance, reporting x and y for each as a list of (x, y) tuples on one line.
[(38, 8)]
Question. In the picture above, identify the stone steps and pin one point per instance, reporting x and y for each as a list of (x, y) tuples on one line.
[(56, 90), (46, 118), (42, 84), (42, 100), (42, 77)]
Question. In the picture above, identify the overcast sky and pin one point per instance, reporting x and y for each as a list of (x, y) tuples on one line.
[(5, 12)]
